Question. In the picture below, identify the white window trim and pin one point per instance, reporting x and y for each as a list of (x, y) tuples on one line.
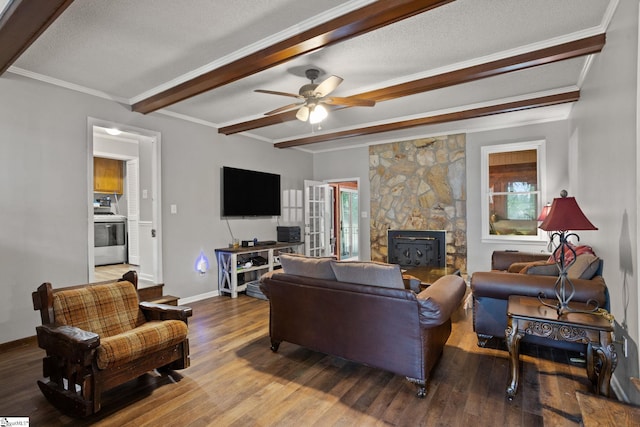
[(539, 146)]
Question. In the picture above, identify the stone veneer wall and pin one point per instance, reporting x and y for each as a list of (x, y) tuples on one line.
[(420, 185)]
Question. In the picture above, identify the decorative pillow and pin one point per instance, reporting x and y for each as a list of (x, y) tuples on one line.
[(314, 267), (568, 255), (585, 267), (368, 273), (541, 268)]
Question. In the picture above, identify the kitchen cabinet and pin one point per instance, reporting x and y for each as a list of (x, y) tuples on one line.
[(107, 175)]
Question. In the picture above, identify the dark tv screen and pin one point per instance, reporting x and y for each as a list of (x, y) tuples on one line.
[(250, 193)]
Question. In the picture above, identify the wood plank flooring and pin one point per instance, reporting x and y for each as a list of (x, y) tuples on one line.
[(113, 271), (235, 380)]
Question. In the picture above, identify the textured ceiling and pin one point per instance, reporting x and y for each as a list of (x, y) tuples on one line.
[(129, 50)]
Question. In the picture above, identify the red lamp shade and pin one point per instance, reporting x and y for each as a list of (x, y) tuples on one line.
[(545, 211), (565, 214)]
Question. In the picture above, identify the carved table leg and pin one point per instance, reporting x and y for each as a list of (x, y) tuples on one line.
[(608, 359), (591, 370), (513, 337)]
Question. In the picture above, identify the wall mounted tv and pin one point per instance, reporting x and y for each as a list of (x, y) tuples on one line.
[(249, 193)]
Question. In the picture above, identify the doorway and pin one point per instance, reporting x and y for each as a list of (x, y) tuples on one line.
[(139, 152), (346, 220)]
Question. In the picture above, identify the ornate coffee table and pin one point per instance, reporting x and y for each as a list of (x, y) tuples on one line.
[(527, 316)]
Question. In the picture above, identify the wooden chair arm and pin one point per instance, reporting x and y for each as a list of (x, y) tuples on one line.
[(154, 311), (69, 342)]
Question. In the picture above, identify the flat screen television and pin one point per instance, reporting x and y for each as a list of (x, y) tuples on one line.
[(249, 193)]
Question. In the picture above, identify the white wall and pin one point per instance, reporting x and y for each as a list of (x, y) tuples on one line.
[(43, 197), (556, 136), (604, 124), (351, 163)]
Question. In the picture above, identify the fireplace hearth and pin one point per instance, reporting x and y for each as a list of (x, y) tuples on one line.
[(416, 248)]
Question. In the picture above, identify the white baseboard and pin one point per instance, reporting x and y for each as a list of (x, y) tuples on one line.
[(184, 301), (618, 390)]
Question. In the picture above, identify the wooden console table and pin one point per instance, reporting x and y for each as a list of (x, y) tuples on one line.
[(228, 268), (527, 316)]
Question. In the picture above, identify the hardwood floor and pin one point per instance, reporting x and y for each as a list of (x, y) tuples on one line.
[(235, 380), (113, 271)]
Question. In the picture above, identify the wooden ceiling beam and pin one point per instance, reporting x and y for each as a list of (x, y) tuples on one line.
[(561, 52), (22, 23), (473, 113), (352, 24)]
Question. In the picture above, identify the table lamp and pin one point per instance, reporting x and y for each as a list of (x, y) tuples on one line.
[(563, 216)]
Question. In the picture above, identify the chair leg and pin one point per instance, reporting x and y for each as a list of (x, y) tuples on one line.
[(422, 387), (483, 339), (66, 401)]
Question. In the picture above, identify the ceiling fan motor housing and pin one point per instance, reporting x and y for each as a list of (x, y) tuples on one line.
[(308, 90)]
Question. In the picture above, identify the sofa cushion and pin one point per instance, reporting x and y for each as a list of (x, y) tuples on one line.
[(140, 342), (315, 267), (541, 268), (584, 267), (106, 310), (368, 273)]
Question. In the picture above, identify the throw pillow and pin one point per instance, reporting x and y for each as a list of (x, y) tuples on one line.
[(568, 255), (584, 267), (314, 267), (541, 268), (369, 273)]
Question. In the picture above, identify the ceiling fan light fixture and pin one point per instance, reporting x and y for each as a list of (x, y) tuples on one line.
[(303, 113), (318, 114)]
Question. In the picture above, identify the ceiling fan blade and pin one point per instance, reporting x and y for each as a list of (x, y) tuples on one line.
[(303, 113), (351, 102), (328, 86), (274, 92), (281, 109)]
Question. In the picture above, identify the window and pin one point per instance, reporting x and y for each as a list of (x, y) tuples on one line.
[(512, 182)]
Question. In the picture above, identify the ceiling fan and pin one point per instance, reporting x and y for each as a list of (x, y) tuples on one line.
[(312, 96)]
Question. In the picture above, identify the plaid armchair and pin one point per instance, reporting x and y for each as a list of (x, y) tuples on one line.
[(98, 336)]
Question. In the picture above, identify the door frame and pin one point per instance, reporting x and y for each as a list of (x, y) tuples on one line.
[(156, 215), (357, 181)]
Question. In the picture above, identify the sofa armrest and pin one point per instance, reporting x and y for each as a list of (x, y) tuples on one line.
[(502, 260), (68, 342), (438, 301), (154, 311), (500, 285)]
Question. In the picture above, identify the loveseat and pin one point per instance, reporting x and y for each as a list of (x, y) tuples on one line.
[(362, 312), (98, 336), (528, 274)]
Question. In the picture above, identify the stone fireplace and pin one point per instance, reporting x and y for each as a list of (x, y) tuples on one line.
[(419, 185), (417, 248)]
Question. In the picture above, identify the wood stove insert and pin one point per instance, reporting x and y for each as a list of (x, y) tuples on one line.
[(416, 248)]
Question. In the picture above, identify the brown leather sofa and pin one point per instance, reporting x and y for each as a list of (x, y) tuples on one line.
[(492, 289), (393, 329)]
